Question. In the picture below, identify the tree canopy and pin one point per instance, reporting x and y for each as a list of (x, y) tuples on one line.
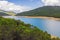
[(11, 29)]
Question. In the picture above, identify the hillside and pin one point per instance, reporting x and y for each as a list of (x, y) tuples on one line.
[(7, 13), (50, 11), (11, 29), (3, 14), (10, 13)]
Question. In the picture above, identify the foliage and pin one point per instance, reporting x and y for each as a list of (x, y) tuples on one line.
[(55, 38), (11, 29)]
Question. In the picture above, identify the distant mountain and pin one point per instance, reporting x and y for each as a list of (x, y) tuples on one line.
[(3, 14), (50, 11), (6, 13), (10, 13)]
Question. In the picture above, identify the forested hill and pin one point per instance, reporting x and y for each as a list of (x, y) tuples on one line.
[(50, 11), (11, 29)]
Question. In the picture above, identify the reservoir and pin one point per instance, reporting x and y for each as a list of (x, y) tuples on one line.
[(51, 26)]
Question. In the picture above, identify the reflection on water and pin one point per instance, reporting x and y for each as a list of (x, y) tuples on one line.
[(51, 26)]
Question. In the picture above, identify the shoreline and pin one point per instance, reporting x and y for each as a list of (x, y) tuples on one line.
[(44, 17), (51, 18)]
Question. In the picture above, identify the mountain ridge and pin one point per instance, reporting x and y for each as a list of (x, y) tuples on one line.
[(50, 11), (7, 13)]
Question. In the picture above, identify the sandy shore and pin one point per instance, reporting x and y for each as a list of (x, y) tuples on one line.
[(51, 18), (44, 17)]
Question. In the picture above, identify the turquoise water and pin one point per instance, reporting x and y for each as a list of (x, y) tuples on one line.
[(51, 26)]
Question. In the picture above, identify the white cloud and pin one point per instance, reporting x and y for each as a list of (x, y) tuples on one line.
[(8, 6), (51, 2)]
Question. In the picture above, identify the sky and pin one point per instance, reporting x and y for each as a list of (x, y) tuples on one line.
[(26, 5)]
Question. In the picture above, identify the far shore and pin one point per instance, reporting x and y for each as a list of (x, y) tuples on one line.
[(44, 17), (52, 18)]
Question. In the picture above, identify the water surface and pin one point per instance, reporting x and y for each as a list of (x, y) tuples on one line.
[(51, 26)]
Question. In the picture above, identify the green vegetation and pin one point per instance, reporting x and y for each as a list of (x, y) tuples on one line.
[(55, 39), (11, 29), (50, 11)]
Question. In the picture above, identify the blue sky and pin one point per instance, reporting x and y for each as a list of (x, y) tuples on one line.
[(30, 3), (19, 5), (26, 5)]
